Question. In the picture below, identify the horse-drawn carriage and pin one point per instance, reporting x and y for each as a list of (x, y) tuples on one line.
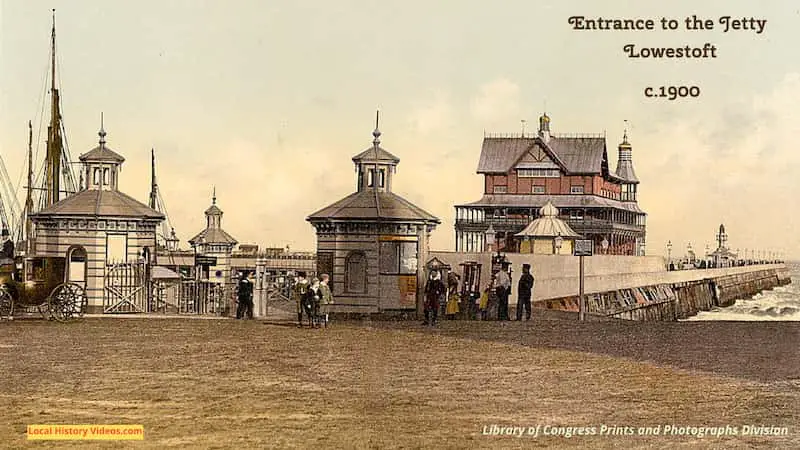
[(39, 283)]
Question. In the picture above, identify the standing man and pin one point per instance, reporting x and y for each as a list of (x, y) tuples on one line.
[(299, 291), (434, 290), (524, 288), (245, 294), (503, 290), (8, 245)]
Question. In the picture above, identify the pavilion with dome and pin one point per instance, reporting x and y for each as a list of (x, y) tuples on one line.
[(101, 232), (539, 237), (373, 243), (215, 242)]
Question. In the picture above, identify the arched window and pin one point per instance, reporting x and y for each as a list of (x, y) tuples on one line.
[(356, 273), (76, 270), (105, 176), (96, 176)]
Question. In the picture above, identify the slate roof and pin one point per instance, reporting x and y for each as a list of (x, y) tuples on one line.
[(560, 201), (102, 153), (369, 155), (163, 273), (213, 209), (626, 172), (93, 202), (213, 236), (365, 205), (575, 154)]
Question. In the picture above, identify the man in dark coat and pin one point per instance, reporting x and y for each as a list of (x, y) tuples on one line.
[(8, 246), (524, 288), (245, 294), (434, 290)]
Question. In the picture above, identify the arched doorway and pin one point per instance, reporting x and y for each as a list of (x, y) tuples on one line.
[(76, 265)]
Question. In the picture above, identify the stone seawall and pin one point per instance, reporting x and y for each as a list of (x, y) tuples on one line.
[(676, 295)]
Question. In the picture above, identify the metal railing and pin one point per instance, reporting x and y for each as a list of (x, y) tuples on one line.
[(534, 133)]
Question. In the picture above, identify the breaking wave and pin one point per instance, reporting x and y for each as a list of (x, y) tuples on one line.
[(781, 303)]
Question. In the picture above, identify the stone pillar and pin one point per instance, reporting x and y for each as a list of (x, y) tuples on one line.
[(260, 306), (422, 258)]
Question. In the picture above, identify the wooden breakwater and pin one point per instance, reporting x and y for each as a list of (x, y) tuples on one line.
[(671, 301)]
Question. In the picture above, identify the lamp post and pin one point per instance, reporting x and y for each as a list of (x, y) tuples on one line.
[(172, 241), (490, 238), (669, 253), (558, 242)]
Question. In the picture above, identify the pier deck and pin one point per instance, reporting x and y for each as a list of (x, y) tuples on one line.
[(388, 384)]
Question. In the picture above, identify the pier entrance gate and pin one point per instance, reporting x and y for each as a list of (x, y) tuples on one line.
[(126, 288)]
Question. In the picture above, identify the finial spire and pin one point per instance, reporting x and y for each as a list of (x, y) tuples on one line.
[(377, 133), (214, 195), (625, 133), (102, 132)]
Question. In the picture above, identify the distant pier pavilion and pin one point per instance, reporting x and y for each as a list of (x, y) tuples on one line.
[(524, 172), (374, 243), (215, 242), (100, 230)]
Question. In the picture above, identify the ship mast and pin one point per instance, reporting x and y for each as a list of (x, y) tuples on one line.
[(29, 196), (54, 141), (153, 185)]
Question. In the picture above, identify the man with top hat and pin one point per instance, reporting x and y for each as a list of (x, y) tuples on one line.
[(245, 297), (299, 292), (524, 288), (434, 290), (8, 246)]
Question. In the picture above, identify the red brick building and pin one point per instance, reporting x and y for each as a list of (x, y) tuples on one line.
[(521, 173)]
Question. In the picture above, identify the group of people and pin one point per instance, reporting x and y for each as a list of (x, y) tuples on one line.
[(313, 300), (492, 304)]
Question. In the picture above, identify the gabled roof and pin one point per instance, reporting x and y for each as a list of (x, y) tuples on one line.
[(102, 153), (574, 154), (366, 205), (580, 154), (369, 155), (93, 202)]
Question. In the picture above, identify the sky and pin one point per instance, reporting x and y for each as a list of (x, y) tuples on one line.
[(269, 101)]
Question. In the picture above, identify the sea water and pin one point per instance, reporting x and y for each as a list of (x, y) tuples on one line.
[(781, 303)]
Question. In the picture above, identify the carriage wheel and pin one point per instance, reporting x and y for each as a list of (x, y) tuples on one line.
[(67, 301), (6, 305)]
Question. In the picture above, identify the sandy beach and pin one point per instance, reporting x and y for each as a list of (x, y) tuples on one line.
[(229, 384)]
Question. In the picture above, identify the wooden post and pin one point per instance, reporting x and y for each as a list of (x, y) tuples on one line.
[(581, 301)]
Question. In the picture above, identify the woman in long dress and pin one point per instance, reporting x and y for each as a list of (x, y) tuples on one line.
[(453, 299), (326, 298)]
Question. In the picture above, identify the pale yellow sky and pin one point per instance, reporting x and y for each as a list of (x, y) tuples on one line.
[(269, 101)]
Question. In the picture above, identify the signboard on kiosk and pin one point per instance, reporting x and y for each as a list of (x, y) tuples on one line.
[(583, 247), (205, 261)]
